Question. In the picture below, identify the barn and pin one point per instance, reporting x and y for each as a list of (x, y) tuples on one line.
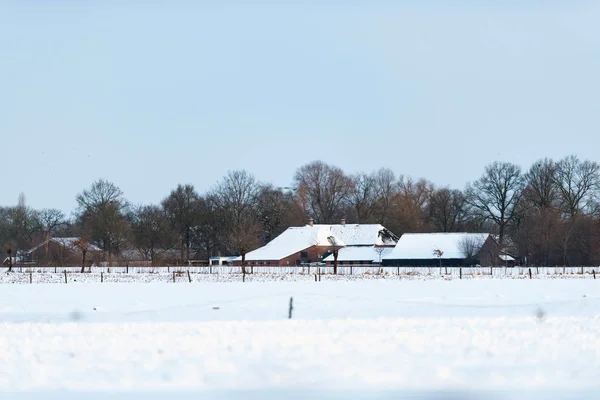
[(445, 249)]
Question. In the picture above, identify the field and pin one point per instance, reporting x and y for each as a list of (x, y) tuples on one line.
[(375, 338)]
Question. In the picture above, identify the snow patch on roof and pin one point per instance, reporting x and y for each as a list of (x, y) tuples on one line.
[(421, 246), (296, 239)]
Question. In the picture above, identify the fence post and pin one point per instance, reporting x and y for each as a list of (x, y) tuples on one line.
[(65, 276), (127, 268), (55, 269), (243, 275), (460, 272), (189, 277), (582, 270), (30, 277), (173, 276), (315, 277), (530, 273), (351, 270), (491, 271), (594, 272), (101, 276), (398, 272), (291, 308)]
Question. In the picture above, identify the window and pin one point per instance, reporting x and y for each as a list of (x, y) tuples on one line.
[(304, 254)]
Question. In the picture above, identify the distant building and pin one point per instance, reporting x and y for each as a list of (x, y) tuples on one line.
[(314, 242), (446, 249), (62, 251), (221, 260)]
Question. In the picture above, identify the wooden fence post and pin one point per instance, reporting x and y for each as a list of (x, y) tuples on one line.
[(30, 277), (530, 273), (65, 276), (173, 276), (460, 272), (398, 267), (315, 277), (189, 276), (351, 270), (491, 271), (244, 275), (594, 272), (291, 308), (55, 269), (101, 277)]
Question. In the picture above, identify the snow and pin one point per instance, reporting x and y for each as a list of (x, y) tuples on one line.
[(534, 337), (296, 239), (420, 246), (359, 253)]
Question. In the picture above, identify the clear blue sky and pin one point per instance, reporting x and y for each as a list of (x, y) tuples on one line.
[(152, 95)]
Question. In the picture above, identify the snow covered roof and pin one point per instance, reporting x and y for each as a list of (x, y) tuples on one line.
[(68, 242), (420, 246), (506, 257), (299, 238), (360, 253)]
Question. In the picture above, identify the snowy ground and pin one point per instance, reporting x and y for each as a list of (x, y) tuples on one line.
[(379, 338)]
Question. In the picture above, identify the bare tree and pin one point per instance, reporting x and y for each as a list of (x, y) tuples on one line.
[(578, 183), (446, 210), (470, 246), (236, 200), (324, 189), (334, 248), (410, 205), (385, 190), (181, 207), (277, 210), (101, 211), (51, 219), (362, 196), (496, 194), (152, 233), (83, 244)]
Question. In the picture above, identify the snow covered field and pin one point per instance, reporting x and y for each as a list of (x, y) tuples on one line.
[(379, 338)]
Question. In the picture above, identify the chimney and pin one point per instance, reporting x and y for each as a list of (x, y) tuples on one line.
[(343, 221), (311, 222)]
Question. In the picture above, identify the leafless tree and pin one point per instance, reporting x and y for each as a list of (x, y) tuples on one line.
[(101, 211), (324, 189), (410, 204), (386, 189), (51, 219), (277, 210), (578, 183), (380, 251), (181, 207), (362, 197), (470, 246), (83, 244), (446, 210), (496, 194), (236, 200), (334, 248), (152, 233)]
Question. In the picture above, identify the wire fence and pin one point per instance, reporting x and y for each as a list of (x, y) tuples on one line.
[(320, 270)]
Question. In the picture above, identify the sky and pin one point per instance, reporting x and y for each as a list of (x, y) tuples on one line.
[(152, 94)]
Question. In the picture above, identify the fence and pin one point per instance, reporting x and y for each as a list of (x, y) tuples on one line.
[(458, 272)]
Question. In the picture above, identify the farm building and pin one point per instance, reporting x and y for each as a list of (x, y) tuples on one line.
[(447, 249), (359, 255), (312, 242), (62, 251)]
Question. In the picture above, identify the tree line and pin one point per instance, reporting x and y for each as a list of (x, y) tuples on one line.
[(546, 215)]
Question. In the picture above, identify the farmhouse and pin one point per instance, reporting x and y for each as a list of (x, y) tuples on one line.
[(446, 249), (61, 251), (313, 242)]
